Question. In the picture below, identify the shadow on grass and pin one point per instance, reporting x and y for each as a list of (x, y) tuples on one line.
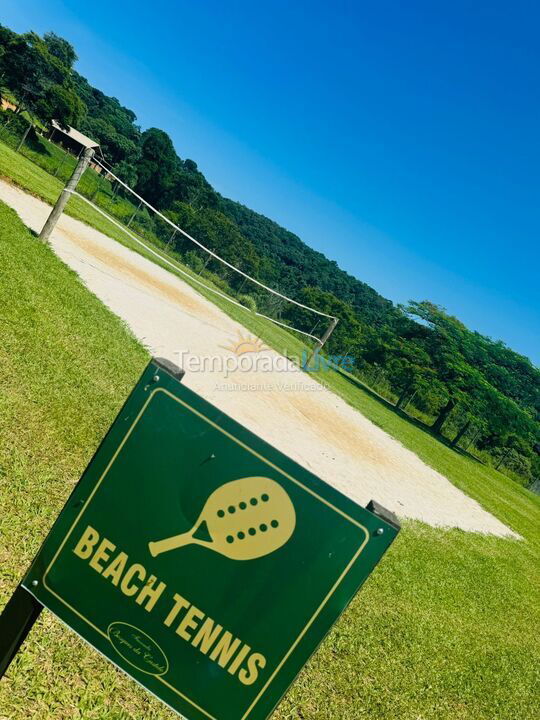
[(34, 143), (405, 416)]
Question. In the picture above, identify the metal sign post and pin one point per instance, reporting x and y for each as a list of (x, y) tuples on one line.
[(199, 559), (16, 621)]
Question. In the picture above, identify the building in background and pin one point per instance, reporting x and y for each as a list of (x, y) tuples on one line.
[(73, 141)]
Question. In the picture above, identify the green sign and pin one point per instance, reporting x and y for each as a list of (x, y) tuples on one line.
[(199, 559)]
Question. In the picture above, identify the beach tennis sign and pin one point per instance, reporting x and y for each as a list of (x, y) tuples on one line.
[(200, 560)]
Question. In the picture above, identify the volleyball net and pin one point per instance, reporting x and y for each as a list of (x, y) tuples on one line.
[(202, 266)]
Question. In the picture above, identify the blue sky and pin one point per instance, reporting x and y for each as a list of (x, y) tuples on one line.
[(400, 139)]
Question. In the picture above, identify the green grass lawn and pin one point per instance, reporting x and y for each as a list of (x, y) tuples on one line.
[(445, 629)]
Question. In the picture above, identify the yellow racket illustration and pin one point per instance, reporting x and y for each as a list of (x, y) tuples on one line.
[(245, 519)]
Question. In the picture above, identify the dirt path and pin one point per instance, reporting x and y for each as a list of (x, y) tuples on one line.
[(286, 408)]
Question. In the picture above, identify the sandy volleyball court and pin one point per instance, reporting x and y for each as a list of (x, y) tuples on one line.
[(286, 407)]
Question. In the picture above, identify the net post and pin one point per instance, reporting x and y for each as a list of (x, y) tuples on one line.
[(25, 135), (205, 264), (16, 621), (321, 343), (61, 203), (132, 218), (61, 163)]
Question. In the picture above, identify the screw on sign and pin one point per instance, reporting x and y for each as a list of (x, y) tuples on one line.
[(245, 519), (209, 583)]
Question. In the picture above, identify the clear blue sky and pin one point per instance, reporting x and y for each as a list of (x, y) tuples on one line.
[(401, 139)]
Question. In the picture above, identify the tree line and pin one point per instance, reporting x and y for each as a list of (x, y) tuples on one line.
[(467, 387)]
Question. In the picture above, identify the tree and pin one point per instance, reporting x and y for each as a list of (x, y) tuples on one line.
[(108, 110), (408, 365), (190, 166), (157, 168), (194, 261), (443, 344), (41, 79), (60, 49), (7, 38), (212, 229), (125, 172), (115, 146), (17, 62), (346, 337), (62, 104)]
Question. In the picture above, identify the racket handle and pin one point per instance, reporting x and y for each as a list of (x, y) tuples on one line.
[(172, 543)]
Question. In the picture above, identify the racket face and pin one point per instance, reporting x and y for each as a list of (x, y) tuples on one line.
[(249, 518)]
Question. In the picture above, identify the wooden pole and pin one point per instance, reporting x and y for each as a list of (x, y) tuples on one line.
[(171, 238), (61, 203), (61, 163), (25, 135), (409, 400), (132, 218), (205, 263), (473, 439), (503, 458), (317, 349)]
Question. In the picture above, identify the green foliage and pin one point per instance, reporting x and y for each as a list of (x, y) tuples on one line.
[(60, 48), (126, 172), (12, 123), (248, 301), (156, 167), (194, 261), (216, 280), (219, 234), (39, 72), (114, 145), (60, 103)]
